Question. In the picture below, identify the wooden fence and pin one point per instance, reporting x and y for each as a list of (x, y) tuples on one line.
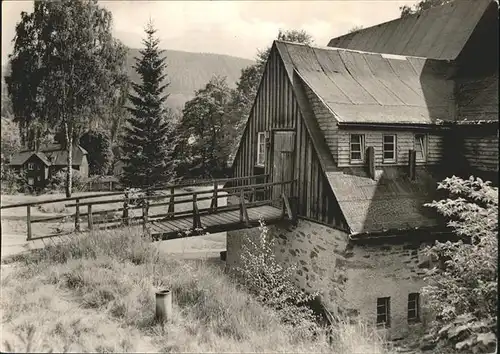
[(249, 194)]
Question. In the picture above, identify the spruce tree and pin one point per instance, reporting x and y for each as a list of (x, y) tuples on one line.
[(147, 145)]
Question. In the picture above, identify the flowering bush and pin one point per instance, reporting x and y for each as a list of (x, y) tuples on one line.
[(272, 283), (462, 288)]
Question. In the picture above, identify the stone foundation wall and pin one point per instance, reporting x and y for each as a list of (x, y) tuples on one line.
[(348, 277)]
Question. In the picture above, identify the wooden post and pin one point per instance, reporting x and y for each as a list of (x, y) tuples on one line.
[(171, 206), (243, 210), (77, 216), (412, 162), (215, 198), (196, 216), (370, 154), (125, 210), (28, 221), (89, 217), (145, 212)]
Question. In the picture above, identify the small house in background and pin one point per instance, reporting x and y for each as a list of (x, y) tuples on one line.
[(39, 166), (365, 128)]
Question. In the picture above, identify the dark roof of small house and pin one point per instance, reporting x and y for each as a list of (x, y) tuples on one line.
[(439, 33), (52, 155), (360, 87), (391, 201), (23, 156)]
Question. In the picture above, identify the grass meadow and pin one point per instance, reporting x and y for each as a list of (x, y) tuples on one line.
[(95, 293)]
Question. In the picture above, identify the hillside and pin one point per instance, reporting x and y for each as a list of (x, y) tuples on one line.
[(188, 72)]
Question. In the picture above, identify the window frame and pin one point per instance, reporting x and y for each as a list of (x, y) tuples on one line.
[(386, 305), (361, 147), (395, 149), (31, 166), (261, 141), (423, 146), (414, 299)]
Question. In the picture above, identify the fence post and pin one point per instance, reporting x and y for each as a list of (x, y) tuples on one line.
[(28, 221), (196, 216), (243, 209), (125, 209), (77, 216), (89, 217), (171, 206), (215, 198), (145, 212)]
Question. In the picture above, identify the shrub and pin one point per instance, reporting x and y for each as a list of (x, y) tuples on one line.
[(11, 181), (462, 289), (273, 284), (58, 181)]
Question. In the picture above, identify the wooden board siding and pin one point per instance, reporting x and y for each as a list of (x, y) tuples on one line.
[(274, 108), (325, 119), (481, 152), (316, 200), (477, 98), (404, 140)]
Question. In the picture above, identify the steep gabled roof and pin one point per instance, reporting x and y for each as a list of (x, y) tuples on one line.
[(51, 155), (438, 33), (23, 156), (360, 87), (357, 87)]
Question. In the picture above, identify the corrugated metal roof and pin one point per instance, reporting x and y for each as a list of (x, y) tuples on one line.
[(360, 87), (438, 33), (391, 201)]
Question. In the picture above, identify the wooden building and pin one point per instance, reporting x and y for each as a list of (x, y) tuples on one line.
[(41, 165), (366, 126)]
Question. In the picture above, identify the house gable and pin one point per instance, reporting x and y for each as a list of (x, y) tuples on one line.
[(280, 104)]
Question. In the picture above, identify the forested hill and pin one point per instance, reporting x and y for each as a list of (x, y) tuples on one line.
[(187, 72)]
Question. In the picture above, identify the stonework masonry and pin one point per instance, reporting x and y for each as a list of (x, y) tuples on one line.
[(348, 277)]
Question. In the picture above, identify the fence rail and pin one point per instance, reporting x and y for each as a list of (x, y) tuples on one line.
[(250, 194)]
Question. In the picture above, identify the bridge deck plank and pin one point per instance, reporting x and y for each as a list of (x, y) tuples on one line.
[(218, 219)]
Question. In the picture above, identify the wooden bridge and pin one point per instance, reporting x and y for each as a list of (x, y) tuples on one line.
[(170, 211)]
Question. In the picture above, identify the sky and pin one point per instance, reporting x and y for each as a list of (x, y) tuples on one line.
[(236, 28)]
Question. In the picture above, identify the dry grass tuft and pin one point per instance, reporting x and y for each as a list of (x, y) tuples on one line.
[(96, 293)]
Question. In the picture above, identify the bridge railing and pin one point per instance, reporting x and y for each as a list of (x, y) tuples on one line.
[(121, 209)]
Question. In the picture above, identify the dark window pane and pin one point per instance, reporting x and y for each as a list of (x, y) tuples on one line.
[(388, 138)]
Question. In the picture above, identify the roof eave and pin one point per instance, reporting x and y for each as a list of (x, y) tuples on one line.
[(392, 125), (402, 233)]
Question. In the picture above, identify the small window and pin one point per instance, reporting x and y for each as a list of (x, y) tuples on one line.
[(413, 307), (31, 166), (389, 148), (421, 147), (357, 148), (38, 178), (383, 311), (31, 181), (261, 148)]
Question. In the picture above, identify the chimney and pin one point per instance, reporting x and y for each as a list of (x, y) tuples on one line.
[(370, 161), (412, 162)]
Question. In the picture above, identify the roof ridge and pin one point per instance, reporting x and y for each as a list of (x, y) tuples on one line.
[(384, 55)]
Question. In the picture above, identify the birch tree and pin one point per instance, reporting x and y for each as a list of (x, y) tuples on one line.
[(65, 67)]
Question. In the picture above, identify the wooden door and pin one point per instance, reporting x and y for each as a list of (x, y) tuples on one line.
[(282, 166)]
